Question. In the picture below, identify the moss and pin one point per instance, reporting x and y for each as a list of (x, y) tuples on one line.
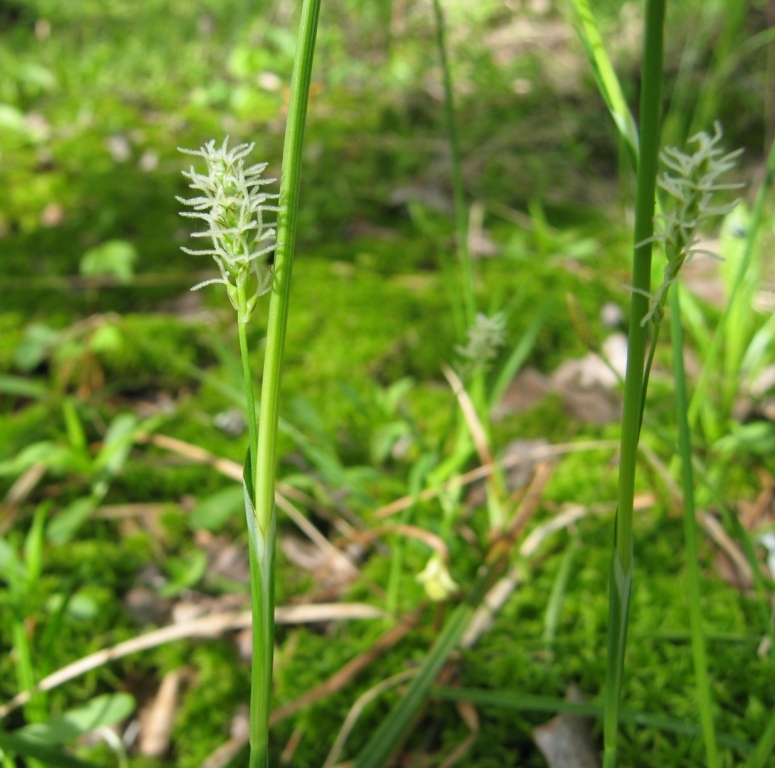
[(152, 351), (11, 334), (220, 683)]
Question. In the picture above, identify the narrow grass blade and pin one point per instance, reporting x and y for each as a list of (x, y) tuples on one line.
[(461, 210), (763, 753), (606, 78), (391, 732), (699, 654)]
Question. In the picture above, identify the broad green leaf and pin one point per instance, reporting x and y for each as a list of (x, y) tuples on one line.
[(114, 258), (215, 510), (21, 387), (117, 443), (75, 432), (78, 606), (12, 119), (107, 338), (12, 570), (101, 711), (33, 545), (57, 458), (70, 519), (36, 346), (28, 746), (184, 572)]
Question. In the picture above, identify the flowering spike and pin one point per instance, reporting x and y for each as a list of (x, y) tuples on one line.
[(232, 205), (691, 182), (485, 336)]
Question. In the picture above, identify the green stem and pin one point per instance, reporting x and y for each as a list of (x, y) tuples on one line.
[(261, 549), (699, 654), (622, 560), (247, 375), (262, 515), (461, 210), (281, 288)]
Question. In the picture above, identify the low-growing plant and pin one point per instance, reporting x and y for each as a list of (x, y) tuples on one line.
[(410, 477), (233, 204)]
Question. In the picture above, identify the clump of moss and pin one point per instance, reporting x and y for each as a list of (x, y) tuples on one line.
[(152, 351), (11, 334)]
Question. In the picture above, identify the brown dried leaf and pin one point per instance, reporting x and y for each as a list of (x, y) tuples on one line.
[(157, 718), (565, 741)]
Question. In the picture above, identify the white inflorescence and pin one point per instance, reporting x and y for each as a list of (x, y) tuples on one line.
[(485, 337), (690, 182), (233, 205)]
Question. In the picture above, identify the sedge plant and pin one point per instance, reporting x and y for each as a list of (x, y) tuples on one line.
[(622, 557), (688, 187), (234, 204)]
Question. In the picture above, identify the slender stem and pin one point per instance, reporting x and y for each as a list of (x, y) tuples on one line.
[(286, 239), (247, 375), (622, 560), (699, 654), (259, 495), (461, 210), (641, 275)]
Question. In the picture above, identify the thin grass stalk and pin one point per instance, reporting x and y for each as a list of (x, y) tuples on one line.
[(461, 210), (260, 497), (699, 652), (464, 311), (622, 559), (393, 729), (247, 376)]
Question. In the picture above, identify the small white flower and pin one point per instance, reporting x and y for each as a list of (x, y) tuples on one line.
[(436, 580), (767, 540), (233, 205)]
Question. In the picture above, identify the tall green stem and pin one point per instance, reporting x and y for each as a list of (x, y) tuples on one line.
[(266, 460), (260, 496), (461, 210), (622, 560)]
